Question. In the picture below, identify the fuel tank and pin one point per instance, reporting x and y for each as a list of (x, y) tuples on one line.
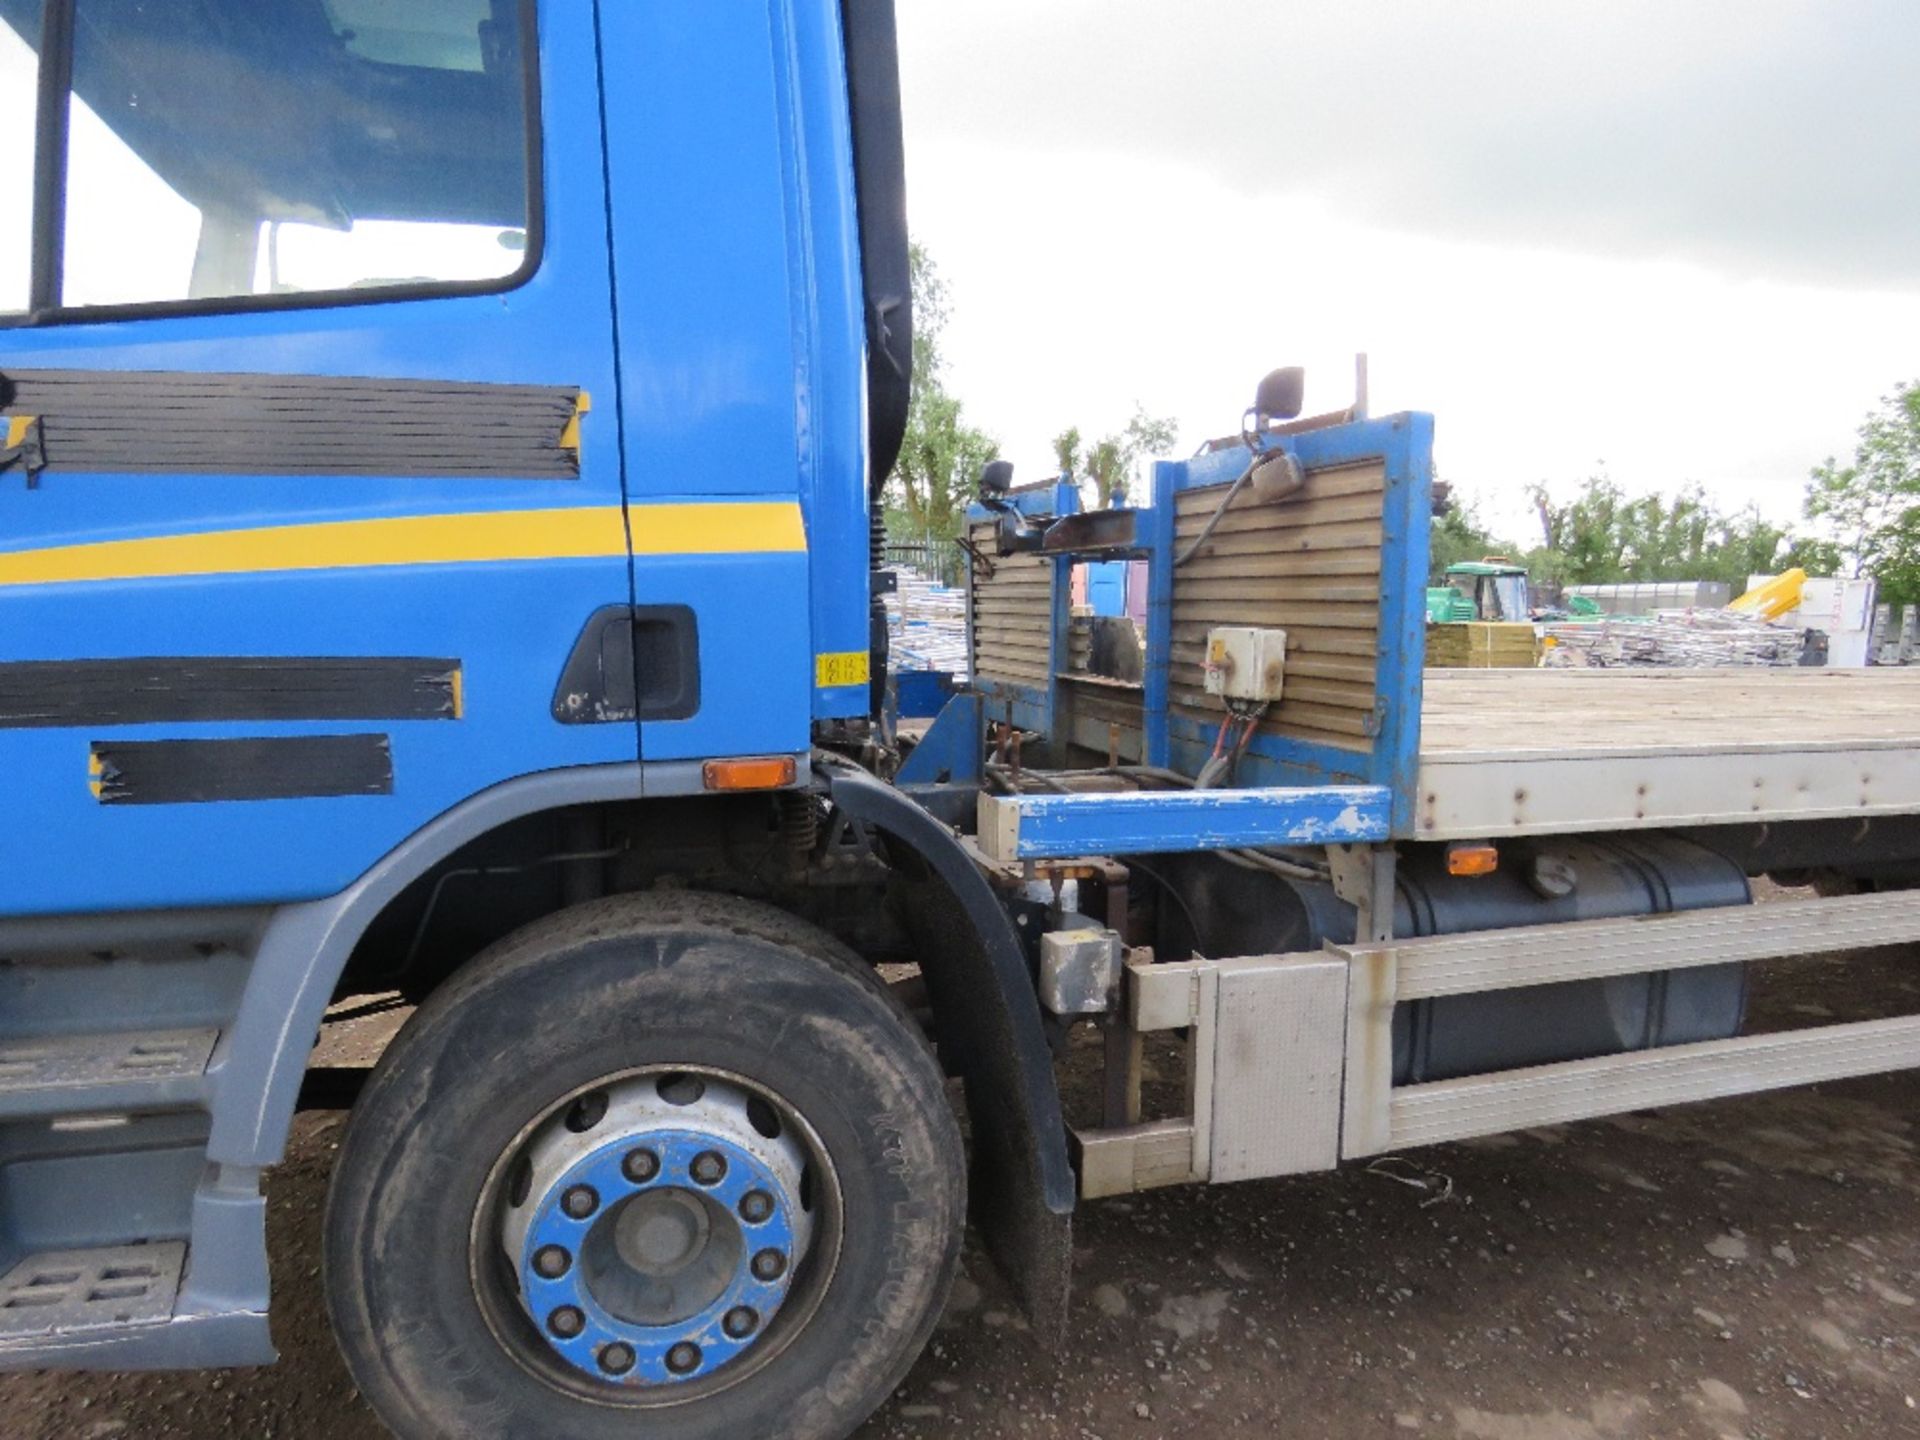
[(1546, 882)]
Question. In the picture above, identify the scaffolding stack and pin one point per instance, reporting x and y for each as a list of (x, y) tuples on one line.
[(1674, 639), (927, 624)]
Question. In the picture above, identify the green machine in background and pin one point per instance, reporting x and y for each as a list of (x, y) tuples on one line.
[(1490, 589), (1495, 589)]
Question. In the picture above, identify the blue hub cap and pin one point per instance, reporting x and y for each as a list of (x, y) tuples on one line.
[(659, 1228)]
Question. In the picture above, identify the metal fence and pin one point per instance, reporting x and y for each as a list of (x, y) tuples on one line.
[(941, 560)]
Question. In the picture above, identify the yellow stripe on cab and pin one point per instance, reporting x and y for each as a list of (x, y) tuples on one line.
[(572, 533)]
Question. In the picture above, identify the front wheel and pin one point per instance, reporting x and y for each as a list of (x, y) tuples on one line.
[(659, 1168)]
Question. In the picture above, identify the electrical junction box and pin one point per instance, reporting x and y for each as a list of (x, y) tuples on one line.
[(1079, 971), (1246, 664)]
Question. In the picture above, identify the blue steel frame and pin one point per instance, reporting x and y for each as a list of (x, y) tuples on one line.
[(1293, 792), (1405, 443), (953, 749), (1160, 822)]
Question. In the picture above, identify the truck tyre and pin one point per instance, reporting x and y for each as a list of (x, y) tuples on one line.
[(661, 1167)]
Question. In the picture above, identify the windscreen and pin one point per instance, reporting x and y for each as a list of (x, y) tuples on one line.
[(1511, 591)]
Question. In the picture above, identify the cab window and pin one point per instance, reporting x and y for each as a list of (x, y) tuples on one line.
[(223, 151), (19, 81)]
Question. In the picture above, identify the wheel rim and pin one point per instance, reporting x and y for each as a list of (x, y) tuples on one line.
[(658, 1229)]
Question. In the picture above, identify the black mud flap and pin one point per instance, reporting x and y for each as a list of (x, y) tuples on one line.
[(1022, 1185)]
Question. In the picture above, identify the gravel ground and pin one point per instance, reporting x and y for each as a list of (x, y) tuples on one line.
[(1745, 1269)]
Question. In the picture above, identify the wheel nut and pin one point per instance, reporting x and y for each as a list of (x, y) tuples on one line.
[(640, 1166), (617, 1359), (552, 1262), (684, 1358), (580, 1202), (769, 1265), (740, 1323), (708, 1168), (566, 1322), (756, 1207)]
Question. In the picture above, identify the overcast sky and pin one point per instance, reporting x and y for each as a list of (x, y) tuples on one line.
[(1680, 241)]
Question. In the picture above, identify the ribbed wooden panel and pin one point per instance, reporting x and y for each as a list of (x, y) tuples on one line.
[(1012, 616), (1311, 567), (1094, 707)]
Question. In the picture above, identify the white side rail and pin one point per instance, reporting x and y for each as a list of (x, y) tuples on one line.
[(1290, 1057), (1380, 1116)]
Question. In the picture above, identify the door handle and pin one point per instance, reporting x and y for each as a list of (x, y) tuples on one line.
[(24, 447)]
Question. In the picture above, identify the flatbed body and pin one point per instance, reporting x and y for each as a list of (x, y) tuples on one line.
[(1533, 752)]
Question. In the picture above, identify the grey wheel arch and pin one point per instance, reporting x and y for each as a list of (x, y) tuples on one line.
[(976, 970), (988, 1017), (304, 950)]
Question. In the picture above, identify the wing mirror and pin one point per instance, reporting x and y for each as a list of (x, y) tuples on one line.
[(1013, 535), (1281, 395)]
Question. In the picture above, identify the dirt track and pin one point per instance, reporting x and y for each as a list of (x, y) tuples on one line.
[(1749, 1269)]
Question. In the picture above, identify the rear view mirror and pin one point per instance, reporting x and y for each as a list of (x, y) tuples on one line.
[(996, 477), (1282, 394)]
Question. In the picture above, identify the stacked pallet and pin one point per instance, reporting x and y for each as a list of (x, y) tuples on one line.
[(1482, 645), (927, 624), (1674, 639)]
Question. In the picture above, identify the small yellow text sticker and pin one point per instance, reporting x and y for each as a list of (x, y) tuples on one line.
[(853, 667)]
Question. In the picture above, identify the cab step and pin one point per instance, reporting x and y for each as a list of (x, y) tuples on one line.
[(128, 1240), (135, 1070), (73, 1291)]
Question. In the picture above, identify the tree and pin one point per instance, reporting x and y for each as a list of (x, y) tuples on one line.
[(1066, 450), (1585, 533), (1870, 508), (1605, 536), (1813, 555), (1459, 536), (1114, 463), (942, 455)]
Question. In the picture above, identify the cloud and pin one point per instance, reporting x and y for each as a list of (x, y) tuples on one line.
[(1539, 364), (1774, 139)]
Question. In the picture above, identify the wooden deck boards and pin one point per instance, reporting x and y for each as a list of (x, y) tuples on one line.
[(1515, 712)]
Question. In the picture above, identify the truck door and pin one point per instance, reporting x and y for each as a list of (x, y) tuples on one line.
[(308, 510), (741, 343)]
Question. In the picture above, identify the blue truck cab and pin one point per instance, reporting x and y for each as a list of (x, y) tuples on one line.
[(454, 355), (427, 427)]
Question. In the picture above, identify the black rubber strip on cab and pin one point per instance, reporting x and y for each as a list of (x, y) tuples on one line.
[(49, 694), (135, 422), (198, 772)]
